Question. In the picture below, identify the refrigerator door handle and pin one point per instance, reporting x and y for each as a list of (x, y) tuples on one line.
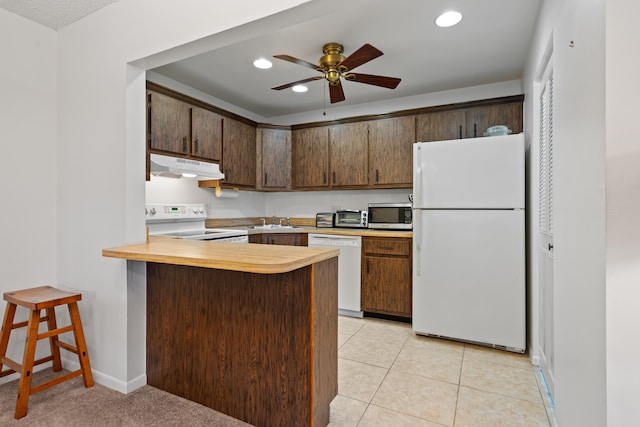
[(417, 175), (417, 238)]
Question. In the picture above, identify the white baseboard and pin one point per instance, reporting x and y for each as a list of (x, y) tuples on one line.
[(124, 387)]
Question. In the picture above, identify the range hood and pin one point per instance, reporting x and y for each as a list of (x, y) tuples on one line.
[(176, 167)]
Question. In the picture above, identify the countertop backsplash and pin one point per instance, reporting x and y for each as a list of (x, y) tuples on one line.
[(259, 204)]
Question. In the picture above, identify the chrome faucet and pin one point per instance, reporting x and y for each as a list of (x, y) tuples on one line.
[(273, 220)]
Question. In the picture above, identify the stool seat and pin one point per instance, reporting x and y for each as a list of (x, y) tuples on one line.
[(37, 299), (42, 297)]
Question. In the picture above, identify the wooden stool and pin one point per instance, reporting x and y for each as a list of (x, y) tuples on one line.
[(36, 299)]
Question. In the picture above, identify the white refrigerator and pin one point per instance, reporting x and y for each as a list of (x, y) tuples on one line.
[(469, 240)]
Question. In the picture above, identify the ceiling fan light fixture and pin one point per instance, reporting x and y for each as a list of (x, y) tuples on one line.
[(300, 88), (263, 64), (448, 19)]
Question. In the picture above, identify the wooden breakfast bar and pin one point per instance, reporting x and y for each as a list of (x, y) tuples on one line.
[(248, 330)]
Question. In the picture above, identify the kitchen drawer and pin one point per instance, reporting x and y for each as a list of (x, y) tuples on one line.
[(386, 246)]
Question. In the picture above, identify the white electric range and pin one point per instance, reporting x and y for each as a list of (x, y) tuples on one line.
[(187, 221)]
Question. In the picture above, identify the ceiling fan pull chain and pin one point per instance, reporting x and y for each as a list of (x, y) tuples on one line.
[(324, 99)]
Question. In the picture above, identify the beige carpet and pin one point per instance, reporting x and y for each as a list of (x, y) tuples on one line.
[(71, 404)]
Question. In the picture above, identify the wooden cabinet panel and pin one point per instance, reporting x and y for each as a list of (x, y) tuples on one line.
[(310, 157), (468, 122), (387, 246), (168, 124), (391, 150), (478, 119), (386, 276), (275, 158), (348, 154), (238, 153), (440, 126), (206, 134), (288, 239), (386, 285), (262, 348)]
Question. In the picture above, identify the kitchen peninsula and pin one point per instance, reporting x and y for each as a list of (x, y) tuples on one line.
[(245, 329)]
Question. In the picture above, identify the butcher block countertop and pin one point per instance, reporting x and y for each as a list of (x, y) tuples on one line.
[(250, 258)]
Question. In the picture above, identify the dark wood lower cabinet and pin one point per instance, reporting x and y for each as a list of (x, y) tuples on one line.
[(259, 347), (289, 239), (386, 276)]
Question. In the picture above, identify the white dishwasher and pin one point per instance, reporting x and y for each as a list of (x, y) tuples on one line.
[(348, 269)]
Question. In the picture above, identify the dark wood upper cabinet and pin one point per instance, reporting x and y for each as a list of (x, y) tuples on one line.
[(351, 153), (206, 134), (177, 127), (238, 153), (348, 154), (440, 125), (310, 157), (469, 122), (274, 162), (391, 151), (169, 125), (479, 119)]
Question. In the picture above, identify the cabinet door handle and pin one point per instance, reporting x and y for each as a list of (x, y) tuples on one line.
[(324, 177), (460, 132), (334, 177), (550, 246), (184, 144), (265, 179), (367, 266), (475, 130), (196, 145), (377, 175)]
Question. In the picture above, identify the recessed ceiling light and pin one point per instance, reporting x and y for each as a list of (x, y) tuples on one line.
[(448, 19), (299, 88), (263, 64)]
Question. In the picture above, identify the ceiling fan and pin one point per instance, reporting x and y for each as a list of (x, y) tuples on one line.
[(334, 66)]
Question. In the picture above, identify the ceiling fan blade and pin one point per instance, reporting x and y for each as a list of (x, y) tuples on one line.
[(299, 82), (336, 94), (370, 79), (302, 62), (365, 54)]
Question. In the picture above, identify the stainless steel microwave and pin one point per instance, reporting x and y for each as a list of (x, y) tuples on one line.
[(390, 216)]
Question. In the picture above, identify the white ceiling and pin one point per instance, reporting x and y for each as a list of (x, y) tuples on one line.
[(488, 46), (54, 14)]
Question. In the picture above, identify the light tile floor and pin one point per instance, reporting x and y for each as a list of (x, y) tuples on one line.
[(389, 376)]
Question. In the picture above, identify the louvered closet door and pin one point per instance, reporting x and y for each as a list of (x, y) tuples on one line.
[(545, 228)]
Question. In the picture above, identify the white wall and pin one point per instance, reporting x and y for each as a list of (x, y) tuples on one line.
[(579, 203), (28, 100), (623, 213), (101, 156), (170, 190)]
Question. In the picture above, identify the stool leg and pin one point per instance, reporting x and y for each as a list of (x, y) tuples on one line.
[(7, 326), (53, 341), (24, 388), (83, 356)]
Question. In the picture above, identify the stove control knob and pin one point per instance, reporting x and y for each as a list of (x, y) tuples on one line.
[(201, 210), (146, 211), (152, 211)]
